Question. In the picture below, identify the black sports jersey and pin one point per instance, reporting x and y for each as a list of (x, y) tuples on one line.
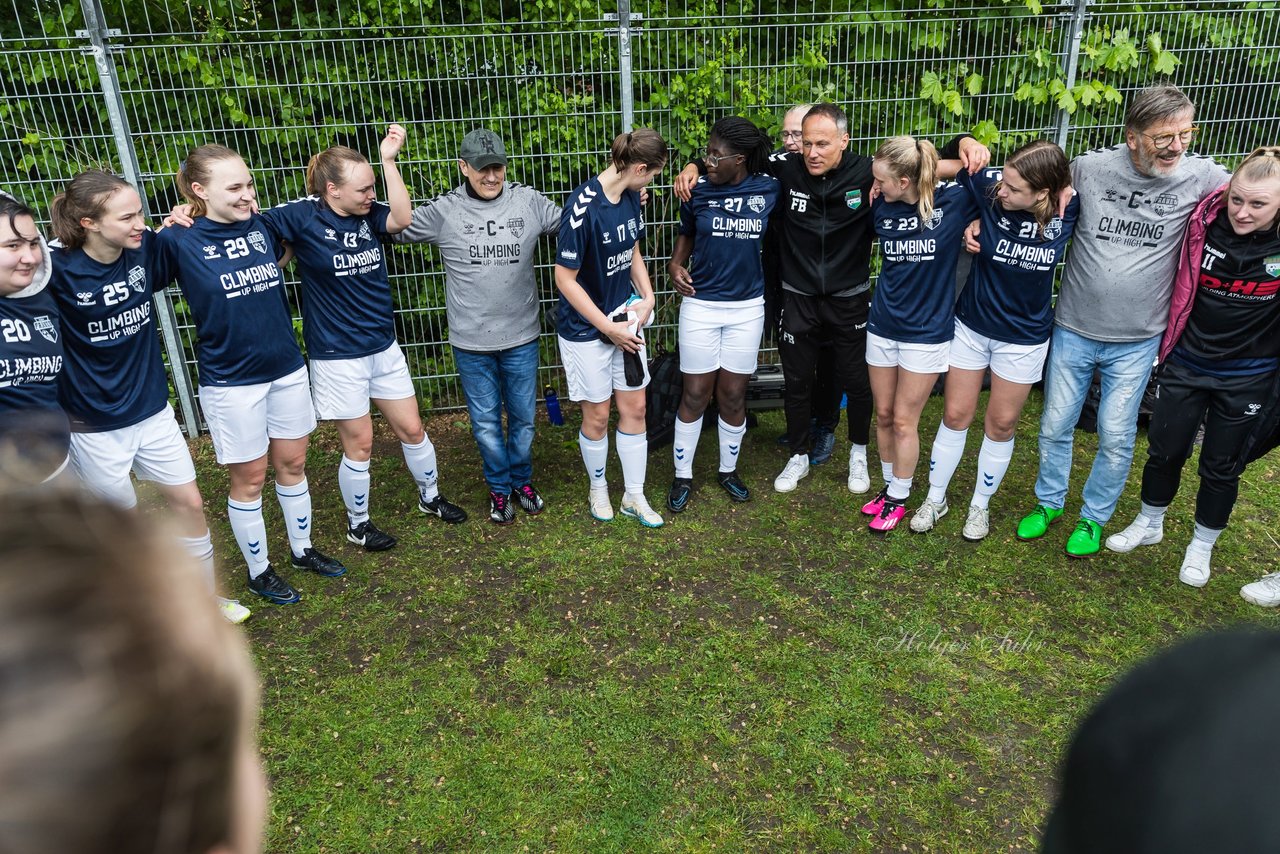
[(114, 375), (1235, 318)]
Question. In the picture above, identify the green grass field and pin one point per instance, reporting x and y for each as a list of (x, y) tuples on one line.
[(765, 676)]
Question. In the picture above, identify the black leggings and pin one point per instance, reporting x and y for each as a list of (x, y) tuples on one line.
[(834, 328), (1229, 408)]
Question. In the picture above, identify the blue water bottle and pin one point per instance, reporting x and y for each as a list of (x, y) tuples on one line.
[(553, 406)]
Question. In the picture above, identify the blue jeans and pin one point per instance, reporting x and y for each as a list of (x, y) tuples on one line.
[(1125, 368), (491, 381)]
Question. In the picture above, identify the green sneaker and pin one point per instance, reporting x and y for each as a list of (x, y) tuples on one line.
[(1034, 525), (1085, 540)]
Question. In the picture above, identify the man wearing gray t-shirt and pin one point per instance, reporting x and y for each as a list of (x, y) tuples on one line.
[(1113, 306), (487, 230)]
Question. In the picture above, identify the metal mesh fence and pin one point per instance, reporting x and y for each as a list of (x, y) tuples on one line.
[(279, 82)]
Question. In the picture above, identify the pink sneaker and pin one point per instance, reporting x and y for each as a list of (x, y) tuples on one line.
[(891, 513), (875, 505)]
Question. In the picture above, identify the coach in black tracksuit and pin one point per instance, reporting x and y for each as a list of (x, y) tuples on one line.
[(825, 264)]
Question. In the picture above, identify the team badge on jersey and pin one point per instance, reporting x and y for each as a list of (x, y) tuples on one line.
[(1165, 204), (211, 252), (1272, 265), (138, 279), (1053, 229), (258, 241), (84, 298), (853, 199), (365, 234), (756, 203), (515, 225), (935, 219), (632, 228), (44, 325)]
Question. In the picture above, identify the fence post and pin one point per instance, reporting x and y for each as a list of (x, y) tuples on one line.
[(98, 35), (625, 31), (1071, 52)]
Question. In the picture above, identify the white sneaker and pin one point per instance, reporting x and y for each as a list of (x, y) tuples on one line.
[(1139, 533), (1265, 591), (797, 469), (1195, 566), (233, 611), (928, 515), (978, 525), (637, 507), (859, 480), (601, 506)]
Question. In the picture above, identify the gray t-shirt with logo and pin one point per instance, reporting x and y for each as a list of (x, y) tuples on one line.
[(491, 298), (1119, 276)]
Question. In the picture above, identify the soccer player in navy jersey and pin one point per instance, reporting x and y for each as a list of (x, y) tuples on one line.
[(1220, 354), (910, 326), (348, 323), (253, 382), (1003, 321), (34, 435), (606, 299), (114, 388), (722, 227)]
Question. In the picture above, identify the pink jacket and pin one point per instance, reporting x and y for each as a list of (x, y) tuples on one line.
[(1185, 280)]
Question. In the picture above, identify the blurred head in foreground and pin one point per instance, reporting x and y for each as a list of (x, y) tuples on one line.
[(1175, 759), (128, 706)]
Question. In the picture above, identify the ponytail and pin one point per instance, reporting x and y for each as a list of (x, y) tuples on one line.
[(917, 161), (85, 196), (197, 169)]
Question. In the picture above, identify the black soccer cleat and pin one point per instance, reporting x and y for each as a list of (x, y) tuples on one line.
[(273, 588), (314, 560), (367, 534)]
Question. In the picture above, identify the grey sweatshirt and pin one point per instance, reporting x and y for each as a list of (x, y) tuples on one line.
[(1119, 276), (491, 299)]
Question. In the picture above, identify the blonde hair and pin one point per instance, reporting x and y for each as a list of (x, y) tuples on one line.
[(1262, 164), (85, 196), (330, 167), (917, 161), (198, 169), (123, 714)]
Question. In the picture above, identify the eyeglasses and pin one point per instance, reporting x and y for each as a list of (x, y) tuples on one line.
[(714, 161), (792, 134), (1165, 140)]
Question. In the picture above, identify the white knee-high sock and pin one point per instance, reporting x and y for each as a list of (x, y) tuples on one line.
[(201, 548), (250, 532), (353, 482), (685, 445), (730, 444), (295, 502), (948, 447), (886, 470), (595, 454), (633, 453), (993, 462), (421, 460)]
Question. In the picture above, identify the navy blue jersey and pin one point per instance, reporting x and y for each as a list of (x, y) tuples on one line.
[(598, 239), (114, 376), (229, 275), (727, 223), (31, 359), (916, 292), (346, 299), (1009, 296)]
